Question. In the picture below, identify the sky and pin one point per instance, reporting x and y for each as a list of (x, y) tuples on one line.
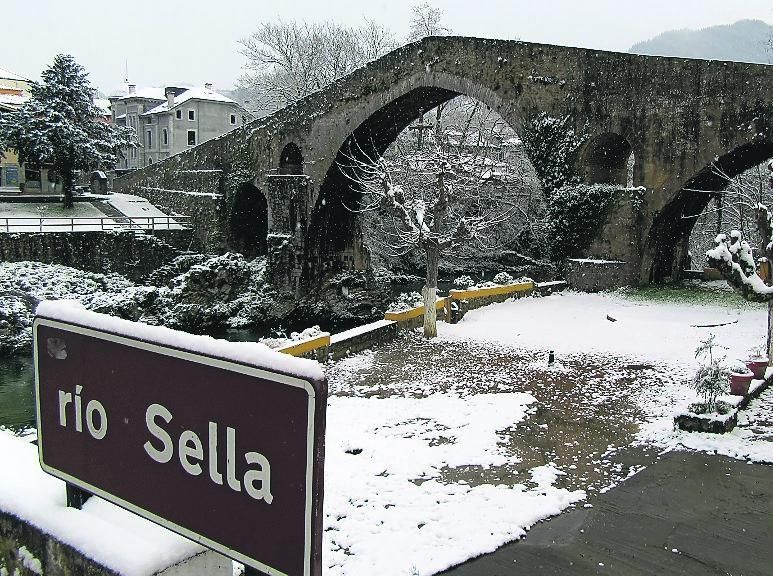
[(197, 41)]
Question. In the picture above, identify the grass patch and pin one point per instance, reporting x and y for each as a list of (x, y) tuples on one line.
[(698, 293)]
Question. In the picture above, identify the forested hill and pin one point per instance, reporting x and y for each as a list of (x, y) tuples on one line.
[(744, 41)]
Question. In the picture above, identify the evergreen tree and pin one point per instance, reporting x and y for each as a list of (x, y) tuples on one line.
[(59, 126)]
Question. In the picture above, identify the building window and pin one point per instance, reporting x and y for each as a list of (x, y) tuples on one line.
[(191, 114), (191, 137), (165, 136), (179, 114), (150, 139), (233, 118), (149, 120), (150, 160)]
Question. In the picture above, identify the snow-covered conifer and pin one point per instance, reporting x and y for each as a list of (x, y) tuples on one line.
[(59, 126)]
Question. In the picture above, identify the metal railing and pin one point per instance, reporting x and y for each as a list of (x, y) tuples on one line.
[(89, 224)]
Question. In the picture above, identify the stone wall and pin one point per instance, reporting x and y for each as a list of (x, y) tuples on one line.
[(205, 210), (597, 275), (621, 236), (25, 550), (125, 252), (362, 338)]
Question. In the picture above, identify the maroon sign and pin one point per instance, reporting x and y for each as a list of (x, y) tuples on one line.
[(223, 452)]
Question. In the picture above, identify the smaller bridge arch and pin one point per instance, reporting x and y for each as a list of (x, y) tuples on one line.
[(608, 158), (291, 160)]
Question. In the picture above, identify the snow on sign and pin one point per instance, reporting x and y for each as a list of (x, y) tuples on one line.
[(221, 442)]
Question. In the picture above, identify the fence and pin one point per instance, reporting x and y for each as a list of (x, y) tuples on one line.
[(90, 224)]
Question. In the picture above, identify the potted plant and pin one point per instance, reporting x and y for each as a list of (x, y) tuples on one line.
[(740, 378), (710, 379), (758, 363)]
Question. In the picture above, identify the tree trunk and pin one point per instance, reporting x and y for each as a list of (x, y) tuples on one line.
[(770, 333), (430, 290), (68, 185)]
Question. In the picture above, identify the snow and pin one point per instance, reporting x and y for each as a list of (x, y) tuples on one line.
[(83, 217), (212, 195), (575, 323), (379, 501), (663, 333), (137, 207), (359, 330), (8, 75), (109, 535), (26, 217), (591, 261), (191, 94), (250, 353)]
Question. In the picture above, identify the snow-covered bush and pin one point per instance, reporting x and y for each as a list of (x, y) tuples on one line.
[(406, 301), (16, 314), (280, 341), (464, 282), (503, 278)]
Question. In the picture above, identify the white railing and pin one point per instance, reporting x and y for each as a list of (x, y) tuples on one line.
[(86, 223)]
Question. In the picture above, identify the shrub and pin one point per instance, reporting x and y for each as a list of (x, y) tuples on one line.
[(503, 278)]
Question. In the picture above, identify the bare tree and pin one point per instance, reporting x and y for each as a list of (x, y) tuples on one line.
[(446, 196), (426, 21), (289, 60), (733, 255)]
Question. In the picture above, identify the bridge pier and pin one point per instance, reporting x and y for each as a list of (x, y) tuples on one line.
[(288, 209)]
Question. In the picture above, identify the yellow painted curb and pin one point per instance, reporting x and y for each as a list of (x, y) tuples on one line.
[(493, 291), (306, 346), (412, 313)]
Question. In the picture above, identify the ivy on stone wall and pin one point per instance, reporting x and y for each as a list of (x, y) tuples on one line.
[(553, 147), (576, 215)]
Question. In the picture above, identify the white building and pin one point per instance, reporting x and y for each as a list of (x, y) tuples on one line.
[(172, 119)]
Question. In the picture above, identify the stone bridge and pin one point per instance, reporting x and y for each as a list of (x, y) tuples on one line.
[(278, 190)]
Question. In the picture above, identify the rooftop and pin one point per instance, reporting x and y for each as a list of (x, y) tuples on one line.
[(8, 75), (192, 94)]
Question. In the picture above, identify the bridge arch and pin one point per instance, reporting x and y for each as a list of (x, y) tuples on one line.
[(608, 158), (291, 160), (666, 247), (248, 221), (333, 223)]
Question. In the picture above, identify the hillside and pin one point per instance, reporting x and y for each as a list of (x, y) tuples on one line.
[(744, 41)]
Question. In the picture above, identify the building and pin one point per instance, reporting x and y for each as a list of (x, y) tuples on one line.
[(172, 119), (14, 91)]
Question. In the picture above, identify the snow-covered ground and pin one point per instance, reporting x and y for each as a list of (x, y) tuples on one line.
[(142, 212), (84, 216)]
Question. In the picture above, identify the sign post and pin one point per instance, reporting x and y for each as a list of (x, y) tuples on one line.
[(222, 443)]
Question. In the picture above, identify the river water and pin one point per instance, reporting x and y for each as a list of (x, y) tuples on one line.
[(17, 400)]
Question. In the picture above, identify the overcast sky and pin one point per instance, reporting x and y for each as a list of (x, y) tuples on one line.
[(196, 41)]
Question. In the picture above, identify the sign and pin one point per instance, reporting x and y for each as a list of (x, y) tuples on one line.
[(224, 452)]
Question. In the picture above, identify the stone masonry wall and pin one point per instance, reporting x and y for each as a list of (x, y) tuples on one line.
[(205, 210), (621, 236), (124, 252), (597, 275)]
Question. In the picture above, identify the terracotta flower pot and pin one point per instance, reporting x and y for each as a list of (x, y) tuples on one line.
[(739, 383), (758, 365)]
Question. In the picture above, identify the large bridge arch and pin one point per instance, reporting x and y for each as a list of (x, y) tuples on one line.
[(667, 243), (333, 223)]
